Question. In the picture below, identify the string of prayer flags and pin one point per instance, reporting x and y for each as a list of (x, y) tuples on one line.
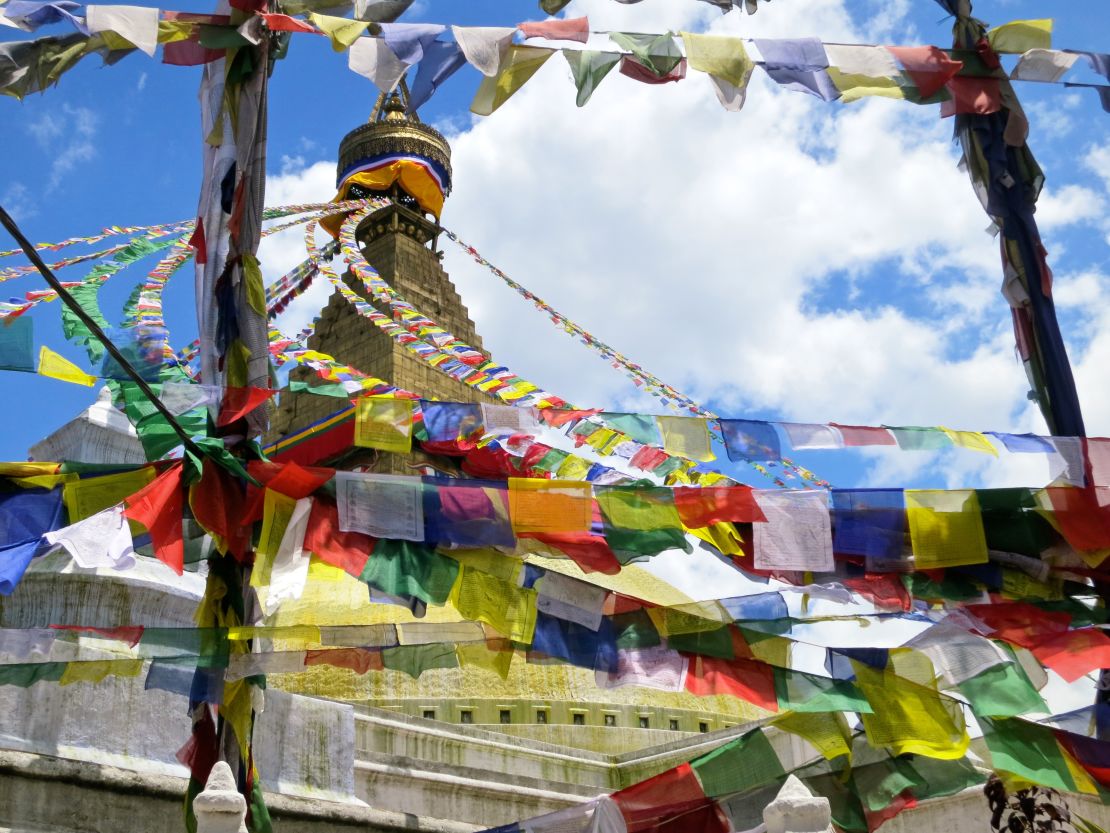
[(797, 535), (61, 368), (384, 423), (946, 528)]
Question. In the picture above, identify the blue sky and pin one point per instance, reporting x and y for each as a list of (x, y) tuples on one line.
[(798, 260)]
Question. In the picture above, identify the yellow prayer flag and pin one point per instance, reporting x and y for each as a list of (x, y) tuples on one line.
[(634, 507), (573, 468), (827, 732), (494, 655), (774, 650), (695, 617), (550, 505), (1020, 36), (93, 671), (1083, 782), (237, 710), (59, 367), (385, 423), (722, 536), (719, 56), (686, 437), (946, 528), (910, 719), (276, 513), (84, 498), (970, 439), (854, 87), (519, 65), (508, 609), (28, 469), (308, 634), (341, 31)]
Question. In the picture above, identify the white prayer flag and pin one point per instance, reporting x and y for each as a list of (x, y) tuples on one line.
[(137, 24), (485, 47), (372, 58), (102, 540), (797, 534), (381, 505)]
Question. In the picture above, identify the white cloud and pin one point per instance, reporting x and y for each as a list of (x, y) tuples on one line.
[(1067, 205), (18, 201), (68, 136)]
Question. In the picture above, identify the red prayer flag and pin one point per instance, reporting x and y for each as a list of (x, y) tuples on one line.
[(158, 507), (196, 242), (1083, 515), (636, 70), (905, 800), (884, 590), (674, 792), (590, 552), (217, 502), (864, 435), (130, 634), (712, 504), (189, 53), (359, 660), (290, 479), (285, 23), (571, 28), (238, 402), (750, 681), (979, 96), (1074, 654), (556, 417), (929, 67), (1020, 623), (347, 550)]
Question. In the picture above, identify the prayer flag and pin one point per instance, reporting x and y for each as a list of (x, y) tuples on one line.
[(381, 505), (916, 438), (1027, 752), (658, 667), (1046, 65), (57, 367), (403, 568), (409, 40), (946, 528), (753, 440), (158, 507), (869, 522), (658, 53), (970, 439), (341, 31), (686, 437), (929, 67), (136, 24), (17, 342), (739, 765), (857, 435), (798, 64), (519, 65), (1020, 36), (441, 61), (1001, 691), (753, 682), (467, 513), (910, 718), (508, 609), (797, 534), (550, 505), (90, 495), (706, 505), (485, 47), (384, 423), (569, 28), (1074, 654), (373, 59), (575, 643)]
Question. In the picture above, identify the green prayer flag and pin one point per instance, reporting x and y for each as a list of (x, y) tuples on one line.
[(335, 389), (801, 692), (1028, 751), (916, 438), (26, 674), (17, 344), (847, 811), (1011, 522), (416, 659), (641, 427), (659, 53), (405, 568), (589, 67), (635, 630), (714, 643), (1002, 691), (739, 765)]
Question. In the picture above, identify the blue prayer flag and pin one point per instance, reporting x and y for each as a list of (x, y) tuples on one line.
[(868, 522), (747, 439)]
